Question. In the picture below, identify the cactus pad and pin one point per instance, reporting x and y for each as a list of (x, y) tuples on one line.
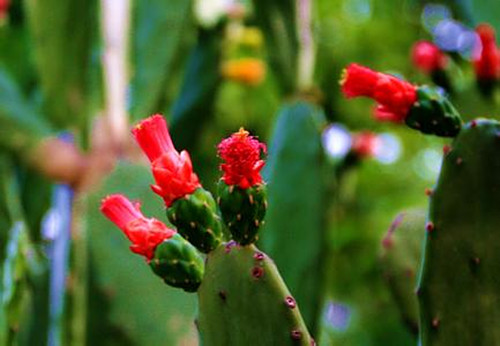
[(433, 114), (197, 220), (178, 263), (458, 287), (244, 301), (243, 210)]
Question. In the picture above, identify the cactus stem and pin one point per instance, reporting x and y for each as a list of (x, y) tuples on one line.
[(257, 272), (296, 334), (429, 226), (290, 302), (446, 149)]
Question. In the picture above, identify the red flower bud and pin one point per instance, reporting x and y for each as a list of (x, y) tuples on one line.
[(394, 96), (144, 234), (428, 57), (241, 153), (364, 144), (4, 8), (173, 172), (486, 56)]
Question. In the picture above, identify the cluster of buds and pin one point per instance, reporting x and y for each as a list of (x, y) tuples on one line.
[(174, 255), (486, 59), (420, 107)]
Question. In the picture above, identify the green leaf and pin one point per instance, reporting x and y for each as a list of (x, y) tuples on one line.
[(159, 28), (61, 36), (194, 107), (143, 308), (277, 19)]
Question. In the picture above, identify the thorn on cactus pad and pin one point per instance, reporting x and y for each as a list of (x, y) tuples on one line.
[(459, 161), (238, 217), (257, 223), (230, 245), (223, 295), (250, 199), (446, 149), (290, 302), (429, 226), (192, 224), (231, 188), (257, 272), (435, 323), (259, 256), (296, 334), (313, 342), (476, 260), (473, 123), (417, 291)]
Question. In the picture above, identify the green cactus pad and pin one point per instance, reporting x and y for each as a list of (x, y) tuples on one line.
[(243, 210), (244, 301), (459, 290), (178, 263), (295, 233), (433, 114), (400, 260), (197, 220)]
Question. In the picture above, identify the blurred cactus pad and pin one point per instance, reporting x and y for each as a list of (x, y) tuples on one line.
[(249, 172)]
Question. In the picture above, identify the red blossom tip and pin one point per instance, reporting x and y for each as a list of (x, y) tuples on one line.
[(173, 172), (394, 96), (427, 57), (144, 234), (486, 55), (241, 153), (153, 137)]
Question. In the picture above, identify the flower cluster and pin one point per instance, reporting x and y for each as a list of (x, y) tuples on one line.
[(394, 96), (144, 234), (173, 172), (241, 153)]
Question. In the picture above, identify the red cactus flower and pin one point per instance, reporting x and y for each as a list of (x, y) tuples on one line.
[(241, 153), (144, 234), (364, 144), (426, 56), (173, 172), (393, 95), (486, 56)]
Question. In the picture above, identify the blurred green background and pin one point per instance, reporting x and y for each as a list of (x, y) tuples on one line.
[(84, 71)]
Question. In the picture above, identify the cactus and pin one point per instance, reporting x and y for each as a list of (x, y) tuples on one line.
[(244, 301), (243, 210), (196, 220), (458, 292), (294, 233), (400, 260), (178, 263)]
